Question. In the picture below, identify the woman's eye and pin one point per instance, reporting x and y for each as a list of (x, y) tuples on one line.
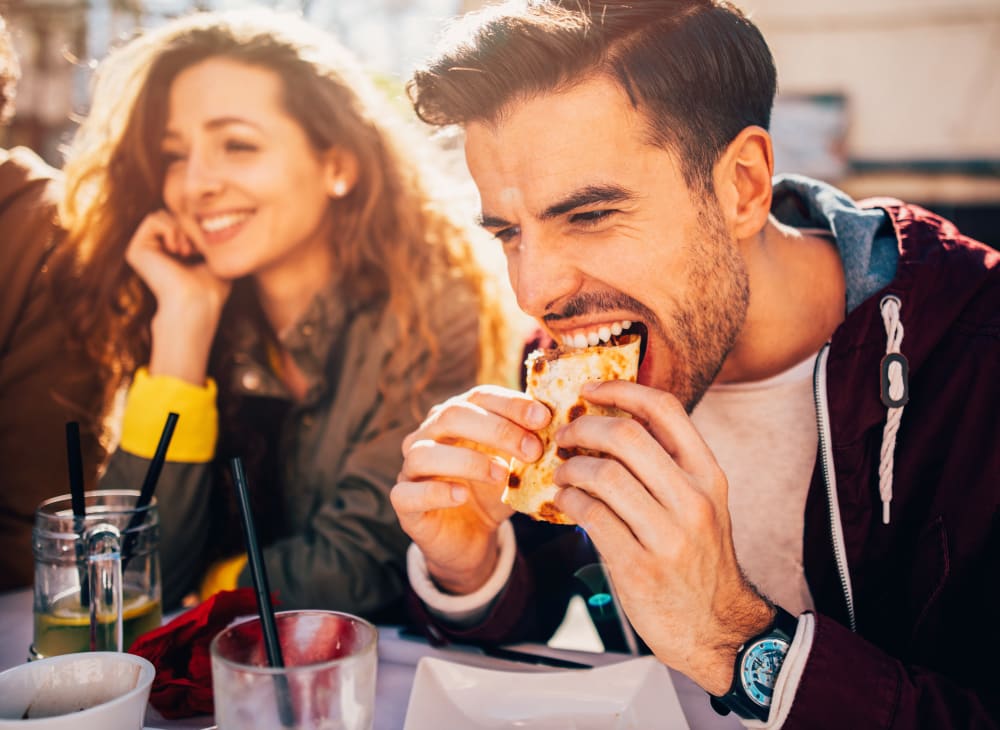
[(235, 145), (591, 217), (170, 157)]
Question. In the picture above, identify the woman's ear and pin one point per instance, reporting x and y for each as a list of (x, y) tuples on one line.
[(743, 181), (340, 171)]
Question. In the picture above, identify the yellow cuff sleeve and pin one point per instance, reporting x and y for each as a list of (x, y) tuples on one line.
[(151, 398), (221, 575)]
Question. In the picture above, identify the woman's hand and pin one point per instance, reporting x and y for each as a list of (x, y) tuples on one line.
[(454, 471), (189, 297)]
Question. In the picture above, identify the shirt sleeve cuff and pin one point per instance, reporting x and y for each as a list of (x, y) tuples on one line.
[(222, 575), (151, 398), (787, 683), (471, 608)]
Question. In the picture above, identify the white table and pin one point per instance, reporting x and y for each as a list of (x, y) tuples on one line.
[(397, 664)]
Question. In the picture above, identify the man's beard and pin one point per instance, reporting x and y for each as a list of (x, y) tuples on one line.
[(702, 330), (706, 326)]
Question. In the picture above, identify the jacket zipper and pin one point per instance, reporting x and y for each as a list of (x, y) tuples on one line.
[(830, 480)]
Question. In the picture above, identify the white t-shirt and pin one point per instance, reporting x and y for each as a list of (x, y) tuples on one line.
[(763, 435)]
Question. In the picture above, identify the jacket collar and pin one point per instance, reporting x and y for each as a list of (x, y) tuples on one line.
[(309, 342), (867, 243)]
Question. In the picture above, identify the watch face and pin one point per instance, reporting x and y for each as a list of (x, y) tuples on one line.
[(760, 667)]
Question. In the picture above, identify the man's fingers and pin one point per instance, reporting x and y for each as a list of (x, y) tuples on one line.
[(611, 483), (428, 459), (609, 533), (633, 446), (513, 405), (412, 499), (489, 419), (664, 416)]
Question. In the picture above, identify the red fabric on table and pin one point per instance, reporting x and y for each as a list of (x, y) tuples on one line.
[(179, 651)]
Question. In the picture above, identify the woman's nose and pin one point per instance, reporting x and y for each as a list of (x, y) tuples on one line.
[(201, 178)]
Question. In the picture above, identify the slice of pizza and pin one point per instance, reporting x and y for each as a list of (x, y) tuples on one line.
[(555, 378)]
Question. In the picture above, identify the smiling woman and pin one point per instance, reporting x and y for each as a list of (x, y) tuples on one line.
[(258, 250)]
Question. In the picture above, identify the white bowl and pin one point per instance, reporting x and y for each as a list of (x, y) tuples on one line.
[(87, 691)]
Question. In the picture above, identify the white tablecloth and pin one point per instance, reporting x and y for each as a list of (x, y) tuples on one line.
[(397, 664)]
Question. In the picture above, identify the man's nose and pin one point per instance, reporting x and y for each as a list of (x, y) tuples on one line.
[(541, 275)]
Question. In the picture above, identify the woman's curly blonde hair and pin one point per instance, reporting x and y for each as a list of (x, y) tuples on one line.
[(396, 242)]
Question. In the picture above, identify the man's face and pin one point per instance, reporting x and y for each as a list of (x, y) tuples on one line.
[(600, 229)]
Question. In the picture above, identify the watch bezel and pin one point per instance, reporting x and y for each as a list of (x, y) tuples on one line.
[(771, 644)]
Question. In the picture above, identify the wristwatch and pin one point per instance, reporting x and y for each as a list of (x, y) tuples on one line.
[(757, 665)]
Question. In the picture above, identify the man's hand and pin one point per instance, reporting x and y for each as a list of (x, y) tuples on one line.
[(454, 470), (657, 510)]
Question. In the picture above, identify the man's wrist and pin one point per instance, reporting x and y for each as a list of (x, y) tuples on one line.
[(465, 582), (753, 619)]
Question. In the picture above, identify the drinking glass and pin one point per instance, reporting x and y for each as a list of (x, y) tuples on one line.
[(97, 581), (327, 683)]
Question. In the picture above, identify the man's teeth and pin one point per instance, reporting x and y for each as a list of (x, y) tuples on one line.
[(596, 336), (220, 222)]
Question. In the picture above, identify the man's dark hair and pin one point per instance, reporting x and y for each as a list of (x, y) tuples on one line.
[(698, 70), (10, 72)]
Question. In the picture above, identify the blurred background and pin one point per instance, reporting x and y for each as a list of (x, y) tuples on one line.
[(881, 97)]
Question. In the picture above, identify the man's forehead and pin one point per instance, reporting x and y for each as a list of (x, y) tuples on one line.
[(546, 148)]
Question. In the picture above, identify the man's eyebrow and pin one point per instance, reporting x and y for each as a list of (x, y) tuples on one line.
[(492, 221), (590, 195)]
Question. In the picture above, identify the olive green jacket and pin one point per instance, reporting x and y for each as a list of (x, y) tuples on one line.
[(340, 544)]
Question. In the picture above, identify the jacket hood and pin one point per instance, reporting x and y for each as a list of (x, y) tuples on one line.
[(891, 248)]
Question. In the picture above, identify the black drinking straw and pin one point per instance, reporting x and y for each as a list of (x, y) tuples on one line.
[(148, 487), (259, 576), (77, 501)]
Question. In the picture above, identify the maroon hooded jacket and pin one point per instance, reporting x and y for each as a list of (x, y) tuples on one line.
[(925, 589)]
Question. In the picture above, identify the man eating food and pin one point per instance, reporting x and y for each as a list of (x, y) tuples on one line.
[(801, 514)]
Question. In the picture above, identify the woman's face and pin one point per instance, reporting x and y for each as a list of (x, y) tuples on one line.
[(241, 177)]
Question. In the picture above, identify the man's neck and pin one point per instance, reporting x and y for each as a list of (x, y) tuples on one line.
[(797, 300)]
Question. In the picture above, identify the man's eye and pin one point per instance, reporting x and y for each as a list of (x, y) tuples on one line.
[(591, 217), (506, 235)]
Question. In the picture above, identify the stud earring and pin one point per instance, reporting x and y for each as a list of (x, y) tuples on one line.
[(339, 188)]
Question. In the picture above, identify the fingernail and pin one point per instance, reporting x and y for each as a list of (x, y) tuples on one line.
[(499, 473), (531, 448), (458, 494), (589, 386), (538, 414)]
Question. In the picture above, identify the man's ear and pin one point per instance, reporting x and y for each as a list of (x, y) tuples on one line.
[(340, 171), (743, 181)]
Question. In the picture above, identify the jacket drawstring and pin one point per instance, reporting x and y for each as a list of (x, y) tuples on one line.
[(895, 394)]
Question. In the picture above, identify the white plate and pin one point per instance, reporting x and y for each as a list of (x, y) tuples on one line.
[(633, 694)]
